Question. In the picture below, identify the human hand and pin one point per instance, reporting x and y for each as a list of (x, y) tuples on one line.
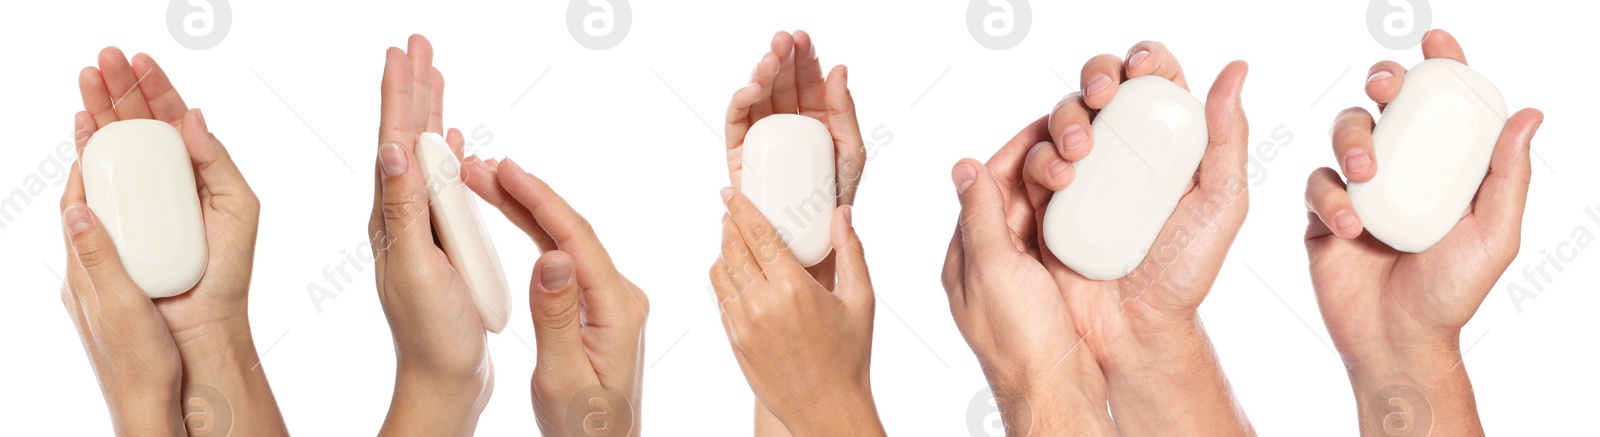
[(1396, 317), (443, 374), (209, 324), (805, 350), (1144, 327), (588, 319), (1009, 308)]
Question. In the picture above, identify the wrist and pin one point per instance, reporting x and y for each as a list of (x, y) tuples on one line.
[(852, 412), (1068, 400), (448, 404), (1417, 390), (147, 412)]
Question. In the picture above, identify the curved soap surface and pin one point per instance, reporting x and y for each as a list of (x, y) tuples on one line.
[(1433, 146), (139, 182), (1148, 142), (466, 242), (788, 172)]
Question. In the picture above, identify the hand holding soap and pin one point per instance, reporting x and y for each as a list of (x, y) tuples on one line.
[(788, 172), (138, 180), (460, 228), (1148, 143), (1433, 146)]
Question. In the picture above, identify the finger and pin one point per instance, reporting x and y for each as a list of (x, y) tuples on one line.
[(420, 52), (737, 124), (83, 128), (571, 233), (850, 152), (983, 225), (436, 107), (1352, 144), (765, 75), (1150, 58), (115, 296), (92, 87), (1046, 173), (737, 260), (395, 125), (1327, 200), (785, 96), (553, 300), (1440, 44), (1071, 127), (215, 170), (764, 242), (723, 284), (404, 202), (1227, 153), (808, 76), (1099, 80), (122, 85), (457, 144), (484, 180), (1504, 193), (1007, 163), (855, 283), (1383, 82), (163, 99)]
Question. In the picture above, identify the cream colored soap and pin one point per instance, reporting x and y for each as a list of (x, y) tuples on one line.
[(462, 233), (1433, 145), (788, 172), (1148, 142), (139, 182)]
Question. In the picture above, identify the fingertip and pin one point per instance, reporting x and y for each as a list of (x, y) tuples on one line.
[(1347, 224), (555, 270), (964, 174), (77, 218)]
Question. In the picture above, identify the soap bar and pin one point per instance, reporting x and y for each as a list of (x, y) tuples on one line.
[(788, 172), (1433, 146), (1148, 142), (138, 180), (460, 228)]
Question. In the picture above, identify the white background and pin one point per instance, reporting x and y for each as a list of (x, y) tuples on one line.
[(623, 134)]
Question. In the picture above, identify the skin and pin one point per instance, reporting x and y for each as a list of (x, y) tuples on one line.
[(1144, 329), (1396, 317), (1011, 311), (163, 363), (789, 80), (805, 350), (588, 319)]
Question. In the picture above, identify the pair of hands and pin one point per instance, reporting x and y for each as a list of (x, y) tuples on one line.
[(185, 364), (588, 318), (802, 336), (1058, 346)]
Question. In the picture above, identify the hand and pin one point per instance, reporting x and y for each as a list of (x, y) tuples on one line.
[(1009, 308), (805, 350), (1396, 317), (443, 375), (588, 319), (1144, 328), (209, 325)]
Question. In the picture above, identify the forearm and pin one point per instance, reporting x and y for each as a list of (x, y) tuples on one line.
[(767, 424), (433, 406), (224, 384), (140, 414), (1174, 385), (1418, 389), (1068, 399)]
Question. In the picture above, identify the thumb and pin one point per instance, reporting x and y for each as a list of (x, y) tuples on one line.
[(1226, 155), (115, 297), (983, 220), (553, 299), (404, 198), (855, 284), (1504, 191)]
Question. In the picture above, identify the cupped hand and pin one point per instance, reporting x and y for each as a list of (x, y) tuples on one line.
[(1145, 326), (1396, 317), (588, 319), (444, 376), (806, 351)]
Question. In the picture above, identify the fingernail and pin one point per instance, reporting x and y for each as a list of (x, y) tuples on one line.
[(1346, 221), (1380, 75), (963, 176), (1059, 169), (200, 116), (394, 160), (1099, 84), (727, 194), (554, 276), (1357, 161), (77, 218), (848, 220), (1075, 137), (1137, 58)]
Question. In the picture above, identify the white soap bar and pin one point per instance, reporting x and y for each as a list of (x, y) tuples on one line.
[(1433, 146), (460, 228), (1147, 145), (139, 182), (788, 173)]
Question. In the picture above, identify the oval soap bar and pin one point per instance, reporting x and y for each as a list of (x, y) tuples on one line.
[(1148, 142), (788, 173), (1433, 146), (460, 228), (138, 180)]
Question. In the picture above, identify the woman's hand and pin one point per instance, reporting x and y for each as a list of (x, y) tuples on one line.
[(1396, 317), (1144, 328), (805, 350)]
